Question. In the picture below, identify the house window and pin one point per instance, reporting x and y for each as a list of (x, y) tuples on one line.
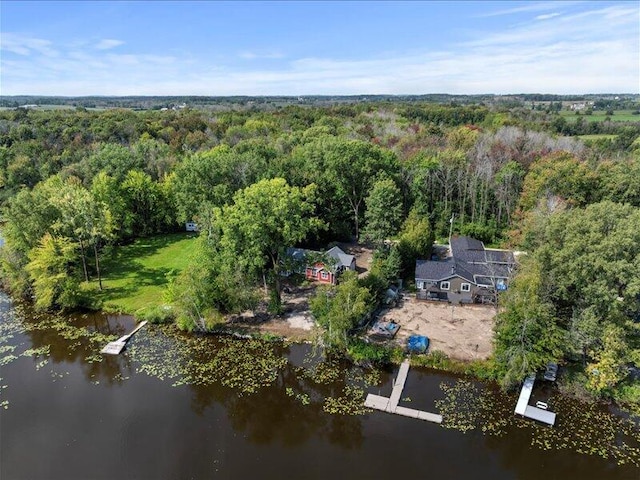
[(419, 285), (444, 285), (325, 275), (465, 287)]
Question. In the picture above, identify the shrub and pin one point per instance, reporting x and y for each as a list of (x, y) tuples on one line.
[(362, 352), (157, 314)]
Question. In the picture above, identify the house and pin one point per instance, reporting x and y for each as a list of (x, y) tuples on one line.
[(322, 267), (470, 273)]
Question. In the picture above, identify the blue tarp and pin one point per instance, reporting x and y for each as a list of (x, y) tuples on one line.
[(418, 343)]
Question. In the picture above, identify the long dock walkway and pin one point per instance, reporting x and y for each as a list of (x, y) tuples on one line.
[(390, 404), (114, 348)]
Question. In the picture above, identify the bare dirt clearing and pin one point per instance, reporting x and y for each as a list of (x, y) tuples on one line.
[(462, 332), (295, 324)]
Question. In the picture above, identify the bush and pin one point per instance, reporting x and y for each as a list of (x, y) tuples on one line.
[(362, 352), (435, 359), (157, 314), (206, 323)]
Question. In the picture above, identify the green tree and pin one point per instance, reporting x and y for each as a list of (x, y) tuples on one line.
[(107, 190), (344, 171), (52, 270), (416, 241), (609, 367), (209, 179), (265, 219), (208, 287), (148, 204), (526, 332), (338, 309), (384, 211), (28, 216)]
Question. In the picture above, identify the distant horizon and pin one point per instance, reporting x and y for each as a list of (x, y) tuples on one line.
[(330, 95), (272, 48)]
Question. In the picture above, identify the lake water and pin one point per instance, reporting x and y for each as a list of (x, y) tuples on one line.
[(175, 406)]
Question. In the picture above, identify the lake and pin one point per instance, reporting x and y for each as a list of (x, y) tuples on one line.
[(177, 406)]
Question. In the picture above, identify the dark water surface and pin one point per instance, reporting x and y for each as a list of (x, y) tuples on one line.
[(74, 417)]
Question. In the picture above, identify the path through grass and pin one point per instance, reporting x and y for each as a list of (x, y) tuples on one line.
[(135, 276)]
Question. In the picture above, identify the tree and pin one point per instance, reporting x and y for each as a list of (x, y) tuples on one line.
[(29, 216), (339, 308), (559, 175), (209, 179), (345, 170), (588, 264), (526, 333), (107, 190), (83, 218), (52, 270), (209, 286), (609, 367), (416, 241), (265, 219), (384, 210), (148, 204)]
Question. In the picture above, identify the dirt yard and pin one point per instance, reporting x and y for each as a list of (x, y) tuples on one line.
[(462, 332)]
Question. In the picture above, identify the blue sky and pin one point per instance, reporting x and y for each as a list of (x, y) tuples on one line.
[(303, 48)]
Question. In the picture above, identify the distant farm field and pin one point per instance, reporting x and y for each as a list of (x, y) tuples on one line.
[(135, 276), (599, 115), (597, 136)]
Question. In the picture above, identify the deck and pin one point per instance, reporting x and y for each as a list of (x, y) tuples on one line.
[(390, 404)]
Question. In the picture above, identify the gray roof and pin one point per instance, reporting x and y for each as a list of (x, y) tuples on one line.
[(298, 254), (469, 260), (336, 255), (342, 259)]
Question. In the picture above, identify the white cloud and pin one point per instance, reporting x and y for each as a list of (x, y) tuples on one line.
[(248, 55), (530, 7), (108, 43), (25, 45), (592, 51), (547, 16)]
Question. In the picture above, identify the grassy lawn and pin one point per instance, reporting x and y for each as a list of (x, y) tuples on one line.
[(135, 276)]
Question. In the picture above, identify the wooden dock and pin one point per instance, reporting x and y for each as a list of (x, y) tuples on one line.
[(390, 404), (116, 347)]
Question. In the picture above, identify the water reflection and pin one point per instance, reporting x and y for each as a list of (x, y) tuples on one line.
[(77, 339)]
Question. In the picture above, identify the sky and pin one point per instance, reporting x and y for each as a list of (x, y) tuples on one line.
[(318, 48)]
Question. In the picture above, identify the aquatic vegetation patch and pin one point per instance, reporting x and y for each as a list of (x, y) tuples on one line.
[(303, 398), (324, 372), (464, 406), (588, 429), (580, 427), (351, 402), (244, 365)]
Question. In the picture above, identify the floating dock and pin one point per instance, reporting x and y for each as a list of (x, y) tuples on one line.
[(390, 404), (116, 347), (523, 408)]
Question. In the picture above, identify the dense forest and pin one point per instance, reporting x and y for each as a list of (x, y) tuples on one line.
[(520, 173)]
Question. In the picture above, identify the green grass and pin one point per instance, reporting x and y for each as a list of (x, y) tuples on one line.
[(600, 115), (597, 136), (135, 276)]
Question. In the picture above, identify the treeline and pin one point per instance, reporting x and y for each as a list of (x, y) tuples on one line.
[(76, 182)]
